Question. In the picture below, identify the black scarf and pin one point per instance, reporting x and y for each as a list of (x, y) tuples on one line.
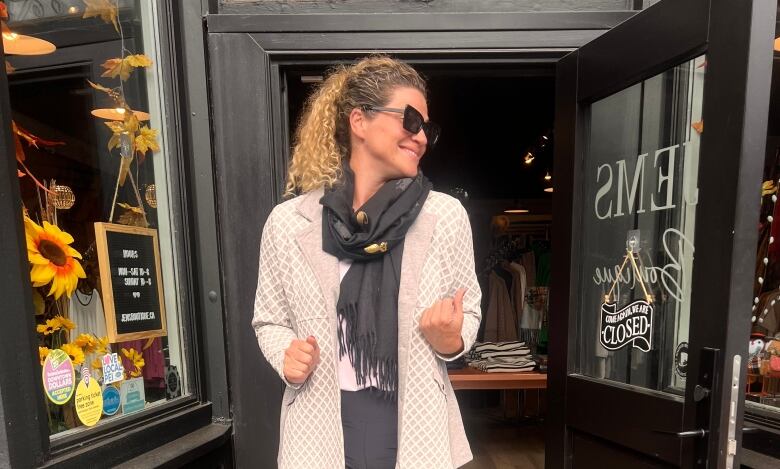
[(373, 238)]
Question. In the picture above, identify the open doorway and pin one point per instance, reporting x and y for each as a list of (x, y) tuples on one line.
[(495, 155)]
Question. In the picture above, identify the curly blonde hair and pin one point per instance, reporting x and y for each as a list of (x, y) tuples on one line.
[(322, 139)]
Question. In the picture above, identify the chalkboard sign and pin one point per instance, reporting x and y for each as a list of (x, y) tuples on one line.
[(130, 278)]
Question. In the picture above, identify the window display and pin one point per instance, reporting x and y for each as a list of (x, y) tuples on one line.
[(763, 375), (88, 122)]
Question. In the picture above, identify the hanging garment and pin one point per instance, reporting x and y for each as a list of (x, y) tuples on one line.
[(518, 291), (533, 312), (543, 269), (86, 312), (529, 262), (499, 317)]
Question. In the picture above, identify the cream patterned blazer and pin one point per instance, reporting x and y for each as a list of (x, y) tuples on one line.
[(298, 286)]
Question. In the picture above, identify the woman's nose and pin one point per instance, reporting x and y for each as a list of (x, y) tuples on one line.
[(420, 138)]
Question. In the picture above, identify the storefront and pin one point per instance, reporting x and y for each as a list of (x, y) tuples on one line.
[(150, 143)]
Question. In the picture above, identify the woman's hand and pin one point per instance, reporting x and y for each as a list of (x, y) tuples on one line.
[(441, 324), (300, 359)]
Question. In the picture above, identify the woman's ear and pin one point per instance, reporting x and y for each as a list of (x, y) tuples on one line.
[(357, 123)]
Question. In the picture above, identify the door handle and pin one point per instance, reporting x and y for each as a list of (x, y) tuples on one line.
[(698, 433), (701, 432)]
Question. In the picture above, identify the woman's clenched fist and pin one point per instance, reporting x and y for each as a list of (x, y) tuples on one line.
[(300, 359), (441, 324)]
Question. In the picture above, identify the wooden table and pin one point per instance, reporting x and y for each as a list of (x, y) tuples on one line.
[(470, 378)]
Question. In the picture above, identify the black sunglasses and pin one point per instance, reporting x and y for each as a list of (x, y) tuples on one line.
[(413, 122)]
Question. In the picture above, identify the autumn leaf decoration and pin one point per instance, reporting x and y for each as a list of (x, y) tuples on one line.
[(105, 9), (123, 66), (128, 133), (132, 216), (19, 135), (143, 137)]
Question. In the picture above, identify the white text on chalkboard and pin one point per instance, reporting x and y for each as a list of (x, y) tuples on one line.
[(129, 253), (143, 316)]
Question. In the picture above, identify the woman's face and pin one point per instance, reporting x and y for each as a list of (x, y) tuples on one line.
[(394, 153)]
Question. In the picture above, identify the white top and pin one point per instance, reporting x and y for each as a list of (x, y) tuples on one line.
[(347, 378)]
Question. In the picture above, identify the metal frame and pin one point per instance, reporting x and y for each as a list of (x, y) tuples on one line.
[(664, 35), (248, 57), (25, 439)]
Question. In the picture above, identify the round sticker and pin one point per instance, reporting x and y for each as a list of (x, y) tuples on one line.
[(59, 377), (111, 400), (89, 401), (681, 359)]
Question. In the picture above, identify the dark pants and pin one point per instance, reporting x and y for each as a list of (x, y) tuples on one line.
[(370, 424)]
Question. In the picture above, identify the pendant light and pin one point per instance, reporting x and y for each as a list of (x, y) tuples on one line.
[(118, 114), (19, 44), (777, 44)]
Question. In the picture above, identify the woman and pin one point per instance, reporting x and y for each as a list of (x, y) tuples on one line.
[(366, 283)]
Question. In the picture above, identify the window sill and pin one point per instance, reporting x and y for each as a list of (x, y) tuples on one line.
[(134, 441), (184, 450)]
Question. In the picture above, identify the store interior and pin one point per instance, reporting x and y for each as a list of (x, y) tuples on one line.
[(491, 119)]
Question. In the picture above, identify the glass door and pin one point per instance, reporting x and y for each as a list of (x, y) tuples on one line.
[(656, 260)]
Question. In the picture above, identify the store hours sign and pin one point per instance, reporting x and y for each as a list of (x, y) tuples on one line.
[(130, 277)]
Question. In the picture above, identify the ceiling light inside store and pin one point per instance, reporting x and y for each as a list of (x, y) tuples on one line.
[(547, 176), (118, 114), (19, 44), (549, 189), (528, 158), (73, 10), (516, 210), (777, 44)]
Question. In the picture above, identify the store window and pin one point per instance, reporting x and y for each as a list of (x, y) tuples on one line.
[(763, 366), (101, 217), (640, 174)]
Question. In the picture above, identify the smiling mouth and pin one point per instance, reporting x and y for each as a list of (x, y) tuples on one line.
[(411, 153)]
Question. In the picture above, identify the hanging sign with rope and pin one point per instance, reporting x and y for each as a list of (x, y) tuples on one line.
[(632, 323)]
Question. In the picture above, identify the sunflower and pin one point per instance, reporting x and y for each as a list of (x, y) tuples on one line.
[(137, 359), (43, 352), (74, 352), (67, 323), (102, 345), (97, 364), (52, 259), (52, 325), (87, 342)]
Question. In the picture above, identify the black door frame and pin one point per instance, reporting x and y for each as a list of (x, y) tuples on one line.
[(734, 38), (245, 54)]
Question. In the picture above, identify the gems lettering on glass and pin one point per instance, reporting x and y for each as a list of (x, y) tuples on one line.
[(630, 185)]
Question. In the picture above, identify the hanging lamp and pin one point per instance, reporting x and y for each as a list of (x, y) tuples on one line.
[(118, 114), (20, 44)]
